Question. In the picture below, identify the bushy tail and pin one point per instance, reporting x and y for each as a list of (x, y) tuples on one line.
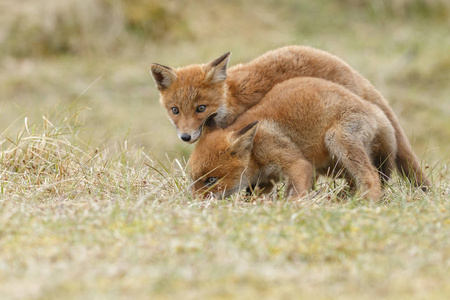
[(406, 161)]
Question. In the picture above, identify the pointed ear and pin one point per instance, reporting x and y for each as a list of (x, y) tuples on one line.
[(163, 76), (209, 124), (217, 69), (242, 140)]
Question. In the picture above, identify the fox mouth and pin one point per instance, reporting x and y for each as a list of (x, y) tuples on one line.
[(192, 137), (195, 135)]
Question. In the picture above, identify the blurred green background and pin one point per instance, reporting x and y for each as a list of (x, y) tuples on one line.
[(59, 57)]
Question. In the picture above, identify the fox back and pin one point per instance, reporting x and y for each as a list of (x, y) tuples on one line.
[(318, 125), (191, 93)]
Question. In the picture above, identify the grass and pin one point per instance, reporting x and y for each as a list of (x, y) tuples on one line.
[(226, 250), (113, 222), (94, 198)]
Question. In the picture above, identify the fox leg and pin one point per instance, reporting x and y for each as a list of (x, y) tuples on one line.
[(295, 167), (384, 149), (261, 188), (300, 174), (286, 155), (351, 153), (385, 164), (265, 187), (351, 183)]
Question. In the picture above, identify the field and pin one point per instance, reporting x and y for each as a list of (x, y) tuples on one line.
[(94, 188)]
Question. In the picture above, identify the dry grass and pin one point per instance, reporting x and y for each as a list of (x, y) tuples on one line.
[(94, 198), (50, 160), (112, 222)]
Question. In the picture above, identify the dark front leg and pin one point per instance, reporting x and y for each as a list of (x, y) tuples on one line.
[(261, 188)]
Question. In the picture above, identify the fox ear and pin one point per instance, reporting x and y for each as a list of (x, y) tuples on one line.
[(217, 69), (209, 124), (242, 140), (163, 76)]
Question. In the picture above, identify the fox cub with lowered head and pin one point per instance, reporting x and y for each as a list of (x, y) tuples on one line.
[(317, 126), (192, 93)]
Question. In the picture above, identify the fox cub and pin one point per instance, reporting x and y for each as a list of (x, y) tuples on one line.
[(192, 93), (318, 125)]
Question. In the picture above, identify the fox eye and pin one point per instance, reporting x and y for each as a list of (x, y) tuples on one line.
[(201, 108), (175, 110), (210, 181)]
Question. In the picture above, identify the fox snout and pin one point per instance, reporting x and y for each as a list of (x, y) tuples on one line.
[(190, 137), (185, 137)]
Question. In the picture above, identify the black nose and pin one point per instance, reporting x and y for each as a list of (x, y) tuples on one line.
[(186, 137)]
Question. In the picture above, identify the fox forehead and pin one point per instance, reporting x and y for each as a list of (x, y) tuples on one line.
[(210, 154), (190, 90), (191, 75)]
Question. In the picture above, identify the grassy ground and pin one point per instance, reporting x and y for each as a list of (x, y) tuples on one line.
[(86, 223), (144, 248), (94, 196)]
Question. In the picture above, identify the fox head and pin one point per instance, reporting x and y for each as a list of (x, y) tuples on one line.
[(192, 93), (219, 163)]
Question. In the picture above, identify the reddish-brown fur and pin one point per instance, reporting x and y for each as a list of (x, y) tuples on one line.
[(318, 125), (231, 92)]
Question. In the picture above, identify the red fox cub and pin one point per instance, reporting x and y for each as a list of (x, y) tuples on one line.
[(192, 93), (317, 125)]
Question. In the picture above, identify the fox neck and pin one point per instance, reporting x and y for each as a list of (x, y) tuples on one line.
[(253, 171), (239, 97), (225, 113)]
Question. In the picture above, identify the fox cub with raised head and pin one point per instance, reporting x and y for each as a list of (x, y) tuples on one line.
[(317, 126), (192, 93)]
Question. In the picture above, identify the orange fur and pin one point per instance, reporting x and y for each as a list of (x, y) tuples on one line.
[(230, 92), (318, 125)]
